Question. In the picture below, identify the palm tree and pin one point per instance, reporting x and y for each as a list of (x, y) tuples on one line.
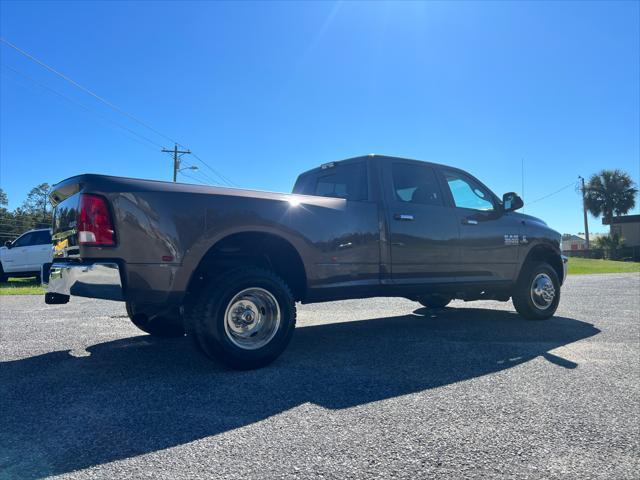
[(610, 245), (609, 193)]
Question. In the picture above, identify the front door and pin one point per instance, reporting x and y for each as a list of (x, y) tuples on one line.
[(16, 258), (423, 230), (489, 237)]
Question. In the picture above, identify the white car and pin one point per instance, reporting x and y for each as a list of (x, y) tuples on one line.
[(26, 255)]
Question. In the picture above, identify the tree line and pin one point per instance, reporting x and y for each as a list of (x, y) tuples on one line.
[(35, 212)]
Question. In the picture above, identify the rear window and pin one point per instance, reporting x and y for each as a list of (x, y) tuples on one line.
[(348, 181)]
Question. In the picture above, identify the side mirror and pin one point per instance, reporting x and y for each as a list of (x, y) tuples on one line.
[(8, 244), (511, 201)]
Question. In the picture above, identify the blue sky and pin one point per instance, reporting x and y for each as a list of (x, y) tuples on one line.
[(263, 91)]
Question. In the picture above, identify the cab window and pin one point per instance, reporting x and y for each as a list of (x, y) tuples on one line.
[(467, 193), (25, 240), (41, 238), (348, 181), (415, 184)]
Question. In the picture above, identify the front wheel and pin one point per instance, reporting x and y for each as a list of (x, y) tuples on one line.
[(537, 293), (244, 318)]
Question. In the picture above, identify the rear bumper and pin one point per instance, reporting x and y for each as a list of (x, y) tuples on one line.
[(565, 267), (95, 280)]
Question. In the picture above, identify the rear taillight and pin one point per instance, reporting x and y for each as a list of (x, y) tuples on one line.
[(94, 221)]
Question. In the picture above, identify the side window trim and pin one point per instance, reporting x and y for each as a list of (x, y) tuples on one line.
[(444, 188)]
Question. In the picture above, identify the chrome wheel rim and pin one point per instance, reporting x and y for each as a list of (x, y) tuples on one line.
[(252, 318), (543, 292)]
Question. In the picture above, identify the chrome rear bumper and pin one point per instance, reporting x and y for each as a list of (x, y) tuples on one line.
[(95, 280)]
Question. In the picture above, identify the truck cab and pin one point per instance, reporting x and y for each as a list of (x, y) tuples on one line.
[(440, 228)]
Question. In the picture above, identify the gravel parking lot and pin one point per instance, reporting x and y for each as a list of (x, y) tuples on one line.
[(372, 388)]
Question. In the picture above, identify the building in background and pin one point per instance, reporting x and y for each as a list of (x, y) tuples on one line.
[(628, 227), (573, 243)]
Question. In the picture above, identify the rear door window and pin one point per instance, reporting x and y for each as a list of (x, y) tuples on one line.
[(348, 181), (415, 184), (41, 238)]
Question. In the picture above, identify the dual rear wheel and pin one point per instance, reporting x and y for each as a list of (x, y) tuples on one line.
[(244, 318)]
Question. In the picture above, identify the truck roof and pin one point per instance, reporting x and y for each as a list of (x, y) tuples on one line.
[(371, 155)]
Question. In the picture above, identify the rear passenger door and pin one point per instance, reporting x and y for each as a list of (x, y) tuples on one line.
[(347, 239), (423, 230), (40, 251)]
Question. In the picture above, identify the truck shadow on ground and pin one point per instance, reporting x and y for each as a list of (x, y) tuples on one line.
[(132, 396)]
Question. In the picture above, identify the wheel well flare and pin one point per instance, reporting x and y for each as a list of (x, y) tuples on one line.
[(259, 249)]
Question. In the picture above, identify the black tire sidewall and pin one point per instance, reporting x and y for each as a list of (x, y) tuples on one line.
[(213, 336), (524, 304)]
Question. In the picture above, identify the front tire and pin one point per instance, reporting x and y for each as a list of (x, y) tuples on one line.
[(164, 326), (244, 318), (537, 293)]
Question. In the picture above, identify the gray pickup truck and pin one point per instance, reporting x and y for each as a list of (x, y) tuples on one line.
[(227, 266)]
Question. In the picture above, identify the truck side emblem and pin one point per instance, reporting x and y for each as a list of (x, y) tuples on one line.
[(511, 239)]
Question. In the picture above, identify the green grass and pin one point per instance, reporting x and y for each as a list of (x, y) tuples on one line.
[(581, 266), (21, 286)]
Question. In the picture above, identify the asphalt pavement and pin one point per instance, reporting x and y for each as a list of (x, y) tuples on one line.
[(377, 388)]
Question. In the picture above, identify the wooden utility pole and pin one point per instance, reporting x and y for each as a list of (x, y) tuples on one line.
[(584, 211), (176, 158)]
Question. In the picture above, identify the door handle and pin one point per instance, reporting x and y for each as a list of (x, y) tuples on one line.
[(468, 221), (403, 216)]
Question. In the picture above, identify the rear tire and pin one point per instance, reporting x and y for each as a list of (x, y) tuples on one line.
[(244, 318), (435, 300), (163, 326), (537, 293)]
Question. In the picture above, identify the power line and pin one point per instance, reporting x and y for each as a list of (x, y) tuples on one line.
[(224, 179), (111, 105), (210, 180), (85, 107), (572, 184), (193, 178), (85, 89)]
